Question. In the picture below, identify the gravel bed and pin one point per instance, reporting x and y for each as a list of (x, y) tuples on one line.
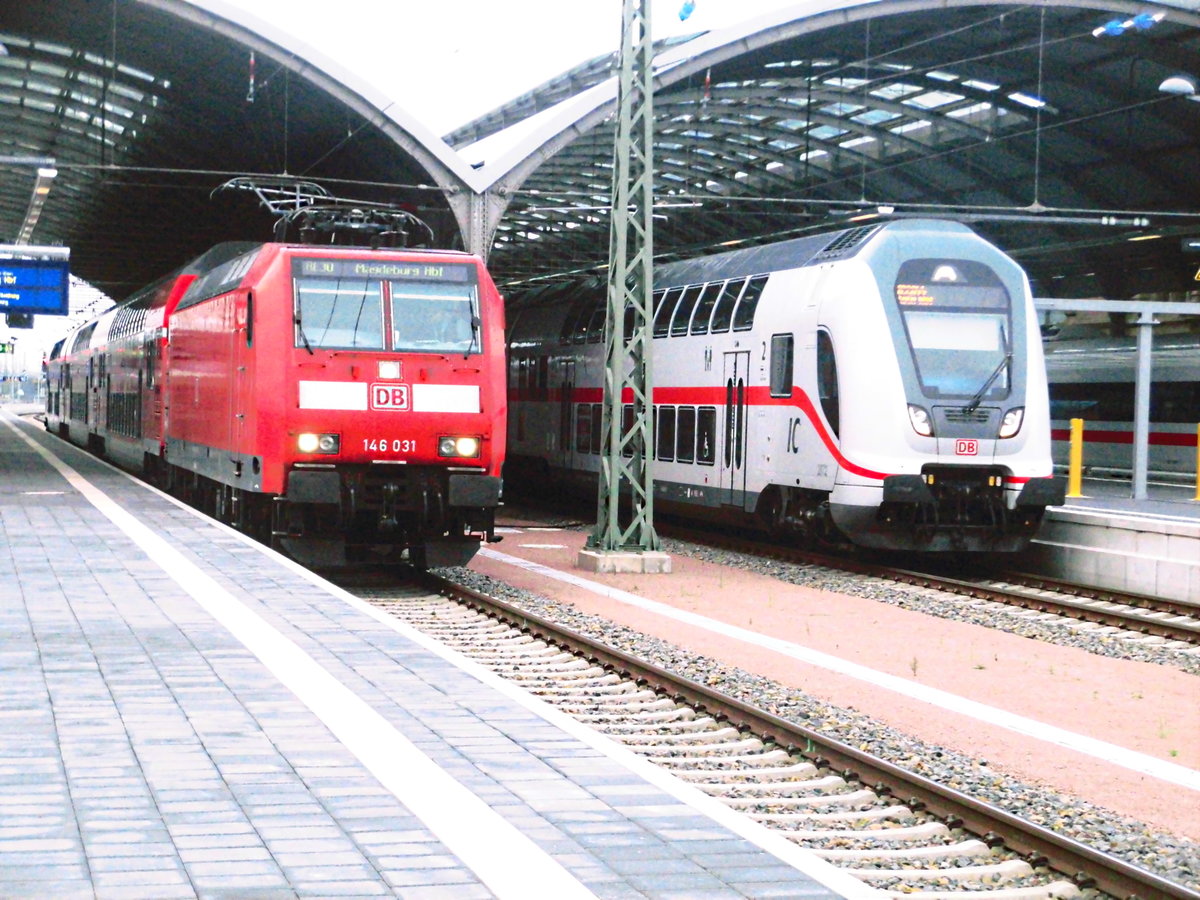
[(1170, 856)]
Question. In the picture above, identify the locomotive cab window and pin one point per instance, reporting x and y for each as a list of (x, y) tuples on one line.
[(339, 313), (958, 323), (432, 317)]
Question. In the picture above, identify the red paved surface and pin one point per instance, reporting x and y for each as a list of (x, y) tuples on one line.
[(1152, 709)]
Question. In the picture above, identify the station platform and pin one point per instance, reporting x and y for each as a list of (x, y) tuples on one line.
[(185, 713), (1107, 539)]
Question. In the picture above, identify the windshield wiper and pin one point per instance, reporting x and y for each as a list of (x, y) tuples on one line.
[(476, 323), (303, 336), (975, 401)]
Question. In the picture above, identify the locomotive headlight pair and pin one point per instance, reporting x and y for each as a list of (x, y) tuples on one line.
[(921, 423), (319, 443), (462, 447), (1011, 423)]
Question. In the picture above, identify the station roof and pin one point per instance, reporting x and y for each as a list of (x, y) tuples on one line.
[(1065, 133)]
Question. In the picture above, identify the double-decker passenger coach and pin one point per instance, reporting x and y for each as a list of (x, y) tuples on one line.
[(883, 385)]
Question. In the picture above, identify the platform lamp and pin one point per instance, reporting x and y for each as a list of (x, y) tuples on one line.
[(1180, 86)]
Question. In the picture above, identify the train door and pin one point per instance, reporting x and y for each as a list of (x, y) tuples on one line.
[(241, 342), (567, 448), (733, 439)]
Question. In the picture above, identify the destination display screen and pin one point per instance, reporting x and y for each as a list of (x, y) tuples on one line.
[(34, 286), (943, 284), (383, 269)]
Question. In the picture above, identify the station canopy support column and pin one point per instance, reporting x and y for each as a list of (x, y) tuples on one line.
[(624, 539)]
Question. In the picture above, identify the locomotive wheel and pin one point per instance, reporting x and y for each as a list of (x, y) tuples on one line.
[(770, 510)]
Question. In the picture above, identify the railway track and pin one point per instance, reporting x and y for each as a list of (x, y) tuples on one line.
[(894, 829)]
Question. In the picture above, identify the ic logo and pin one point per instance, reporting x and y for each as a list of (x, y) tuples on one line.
[(389, 396), (963, 447)]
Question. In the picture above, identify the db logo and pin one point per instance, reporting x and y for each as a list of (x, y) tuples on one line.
[(966, 448), (389, 396)]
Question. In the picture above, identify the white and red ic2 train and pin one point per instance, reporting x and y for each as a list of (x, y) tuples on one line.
[(883, 384), (345, 403)]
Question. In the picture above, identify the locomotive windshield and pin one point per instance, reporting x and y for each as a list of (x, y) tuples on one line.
[(386, 305), (958, 323), (339, 312), (434, 317)]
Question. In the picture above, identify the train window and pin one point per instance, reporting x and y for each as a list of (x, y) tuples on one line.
[(626, 428), (597, 426), (957, 318), (685, 434), (583, 428), (723, 312), (743, 317), (338, 312), (665, 435), (543, 377), (434, 317), (682, 319), (662, 315), (705, 307), (781, 364), (827, 382), (706, 435), (1175, 401)]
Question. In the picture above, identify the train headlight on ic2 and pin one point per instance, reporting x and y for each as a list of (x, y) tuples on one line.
[(1011, 423), (921, 423), (460, 446), (328, 444)]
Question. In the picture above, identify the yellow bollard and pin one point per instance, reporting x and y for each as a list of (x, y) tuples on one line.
[(1197, 497), (1075, 469)]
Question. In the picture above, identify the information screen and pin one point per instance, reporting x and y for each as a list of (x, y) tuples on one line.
[(34, 286)]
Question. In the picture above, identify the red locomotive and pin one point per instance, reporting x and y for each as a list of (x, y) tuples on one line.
[(347, 404)]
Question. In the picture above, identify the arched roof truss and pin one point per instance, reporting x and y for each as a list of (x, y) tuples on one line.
[(1018, 118)]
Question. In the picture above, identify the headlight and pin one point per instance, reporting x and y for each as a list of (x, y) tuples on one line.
[(1011, 423), (319, 443), (462, 447), (920, 420)]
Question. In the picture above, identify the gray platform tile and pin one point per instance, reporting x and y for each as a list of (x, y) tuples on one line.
[(679, 886), (233, 869), (403, 841), (139, 863), (347, 889), (140, 878), (149, 892), (309, 874), (758, 874), (96, 850), (201, 855), (408, 878), (449, 892), (58, 888), (184, 829), (781, 890), (38, 845), (243, 887), (229, 842), (66, 863)]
